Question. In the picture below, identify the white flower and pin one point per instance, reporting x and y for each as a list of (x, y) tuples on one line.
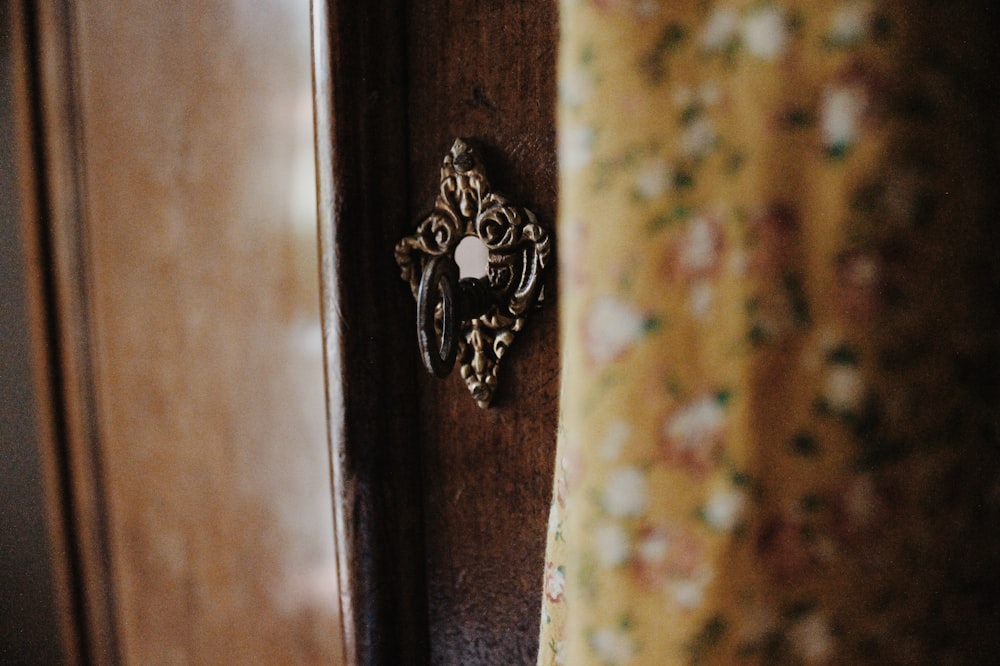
[(861, 501), (720, 30), (850, 22), (560, 648), (612, 645), (555, 582), (611, 545), (683, 96), (576, 147), (840, 115), (625, 492), (902, 194), (697, 425), (862, 270), (698, 138), (654, 548), (689, 593), (614, 439), (710, 93), (825, 550), (765, 33), (555, 520), (758, 623), (612, 326), (647, 8), (724, 508), (700, 299), (575, 87), (813, 355), (653, 178), (844, 388), (811, 639), (700, 248)]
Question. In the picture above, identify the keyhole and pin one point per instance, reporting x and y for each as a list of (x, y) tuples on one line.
[(472, 258)]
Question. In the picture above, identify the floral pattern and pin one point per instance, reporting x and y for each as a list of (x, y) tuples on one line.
[(779, 439)]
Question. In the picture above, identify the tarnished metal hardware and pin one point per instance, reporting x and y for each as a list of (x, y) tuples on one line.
[(469, 319)]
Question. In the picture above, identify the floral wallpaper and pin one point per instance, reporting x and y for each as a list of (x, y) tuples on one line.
[(779, 441)]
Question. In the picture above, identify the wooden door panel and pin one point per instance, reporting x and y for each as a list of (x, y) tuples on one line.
[(36, 623), (443, 505), (485, 71), (188, 316)]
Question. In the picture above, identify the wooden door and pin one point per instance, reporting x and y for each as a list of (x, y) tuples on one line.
[(442, 505), (166, 167), (196, 515)]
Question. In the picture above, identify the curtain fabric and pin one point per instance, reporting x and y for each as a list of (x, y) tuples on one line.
[(779, 414)]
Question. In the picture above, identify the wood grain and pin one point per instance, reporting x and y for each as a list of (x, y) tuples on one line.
[(183, 217), (363, 185), (441, 506), (37, 620), (486, 71)]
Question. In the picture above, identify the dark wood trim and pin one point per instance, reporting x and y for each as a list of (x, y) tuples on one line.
[(33, 528), (57, 149), (429, 578), (361, 143), (486, 71)]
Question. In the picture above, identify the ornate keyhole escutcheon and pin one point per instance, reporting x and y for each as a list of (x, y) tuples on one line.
[(472, 320)]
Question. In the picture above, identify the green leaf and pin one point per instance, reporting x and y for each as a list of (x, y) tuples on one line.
[(671, 37), (881, 27), (866, 199), (690, 114), (757, 336), (843, 355), (812, 502), (798, 118), (683, 179), (740, 479), (734, 163), (805, 445), (838, 151), (666, 219)]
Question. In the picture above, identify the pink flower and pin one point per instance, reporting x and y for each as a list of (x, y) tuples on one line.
[(871, 280), (663, 553), (784, 547), (849, 103), (642, 9), (693, 434), (612, 327), (561, 491), (695, 258), (698, 253), (765, 32), (572, 255), (672, 558), (859, 284), (813, 639), (555, 582), (862, 509), (850, 23), (774, 239)]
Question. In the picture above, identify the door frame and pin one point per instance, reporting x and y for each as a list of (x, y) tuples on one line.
[(360, 101)]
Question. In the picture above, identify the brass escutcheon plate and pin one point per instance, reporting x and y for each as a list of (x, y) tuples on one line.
[(518, 250)]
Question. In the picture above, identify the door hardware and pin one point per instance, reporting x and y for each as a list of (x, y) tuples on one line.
[(468, 319)]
